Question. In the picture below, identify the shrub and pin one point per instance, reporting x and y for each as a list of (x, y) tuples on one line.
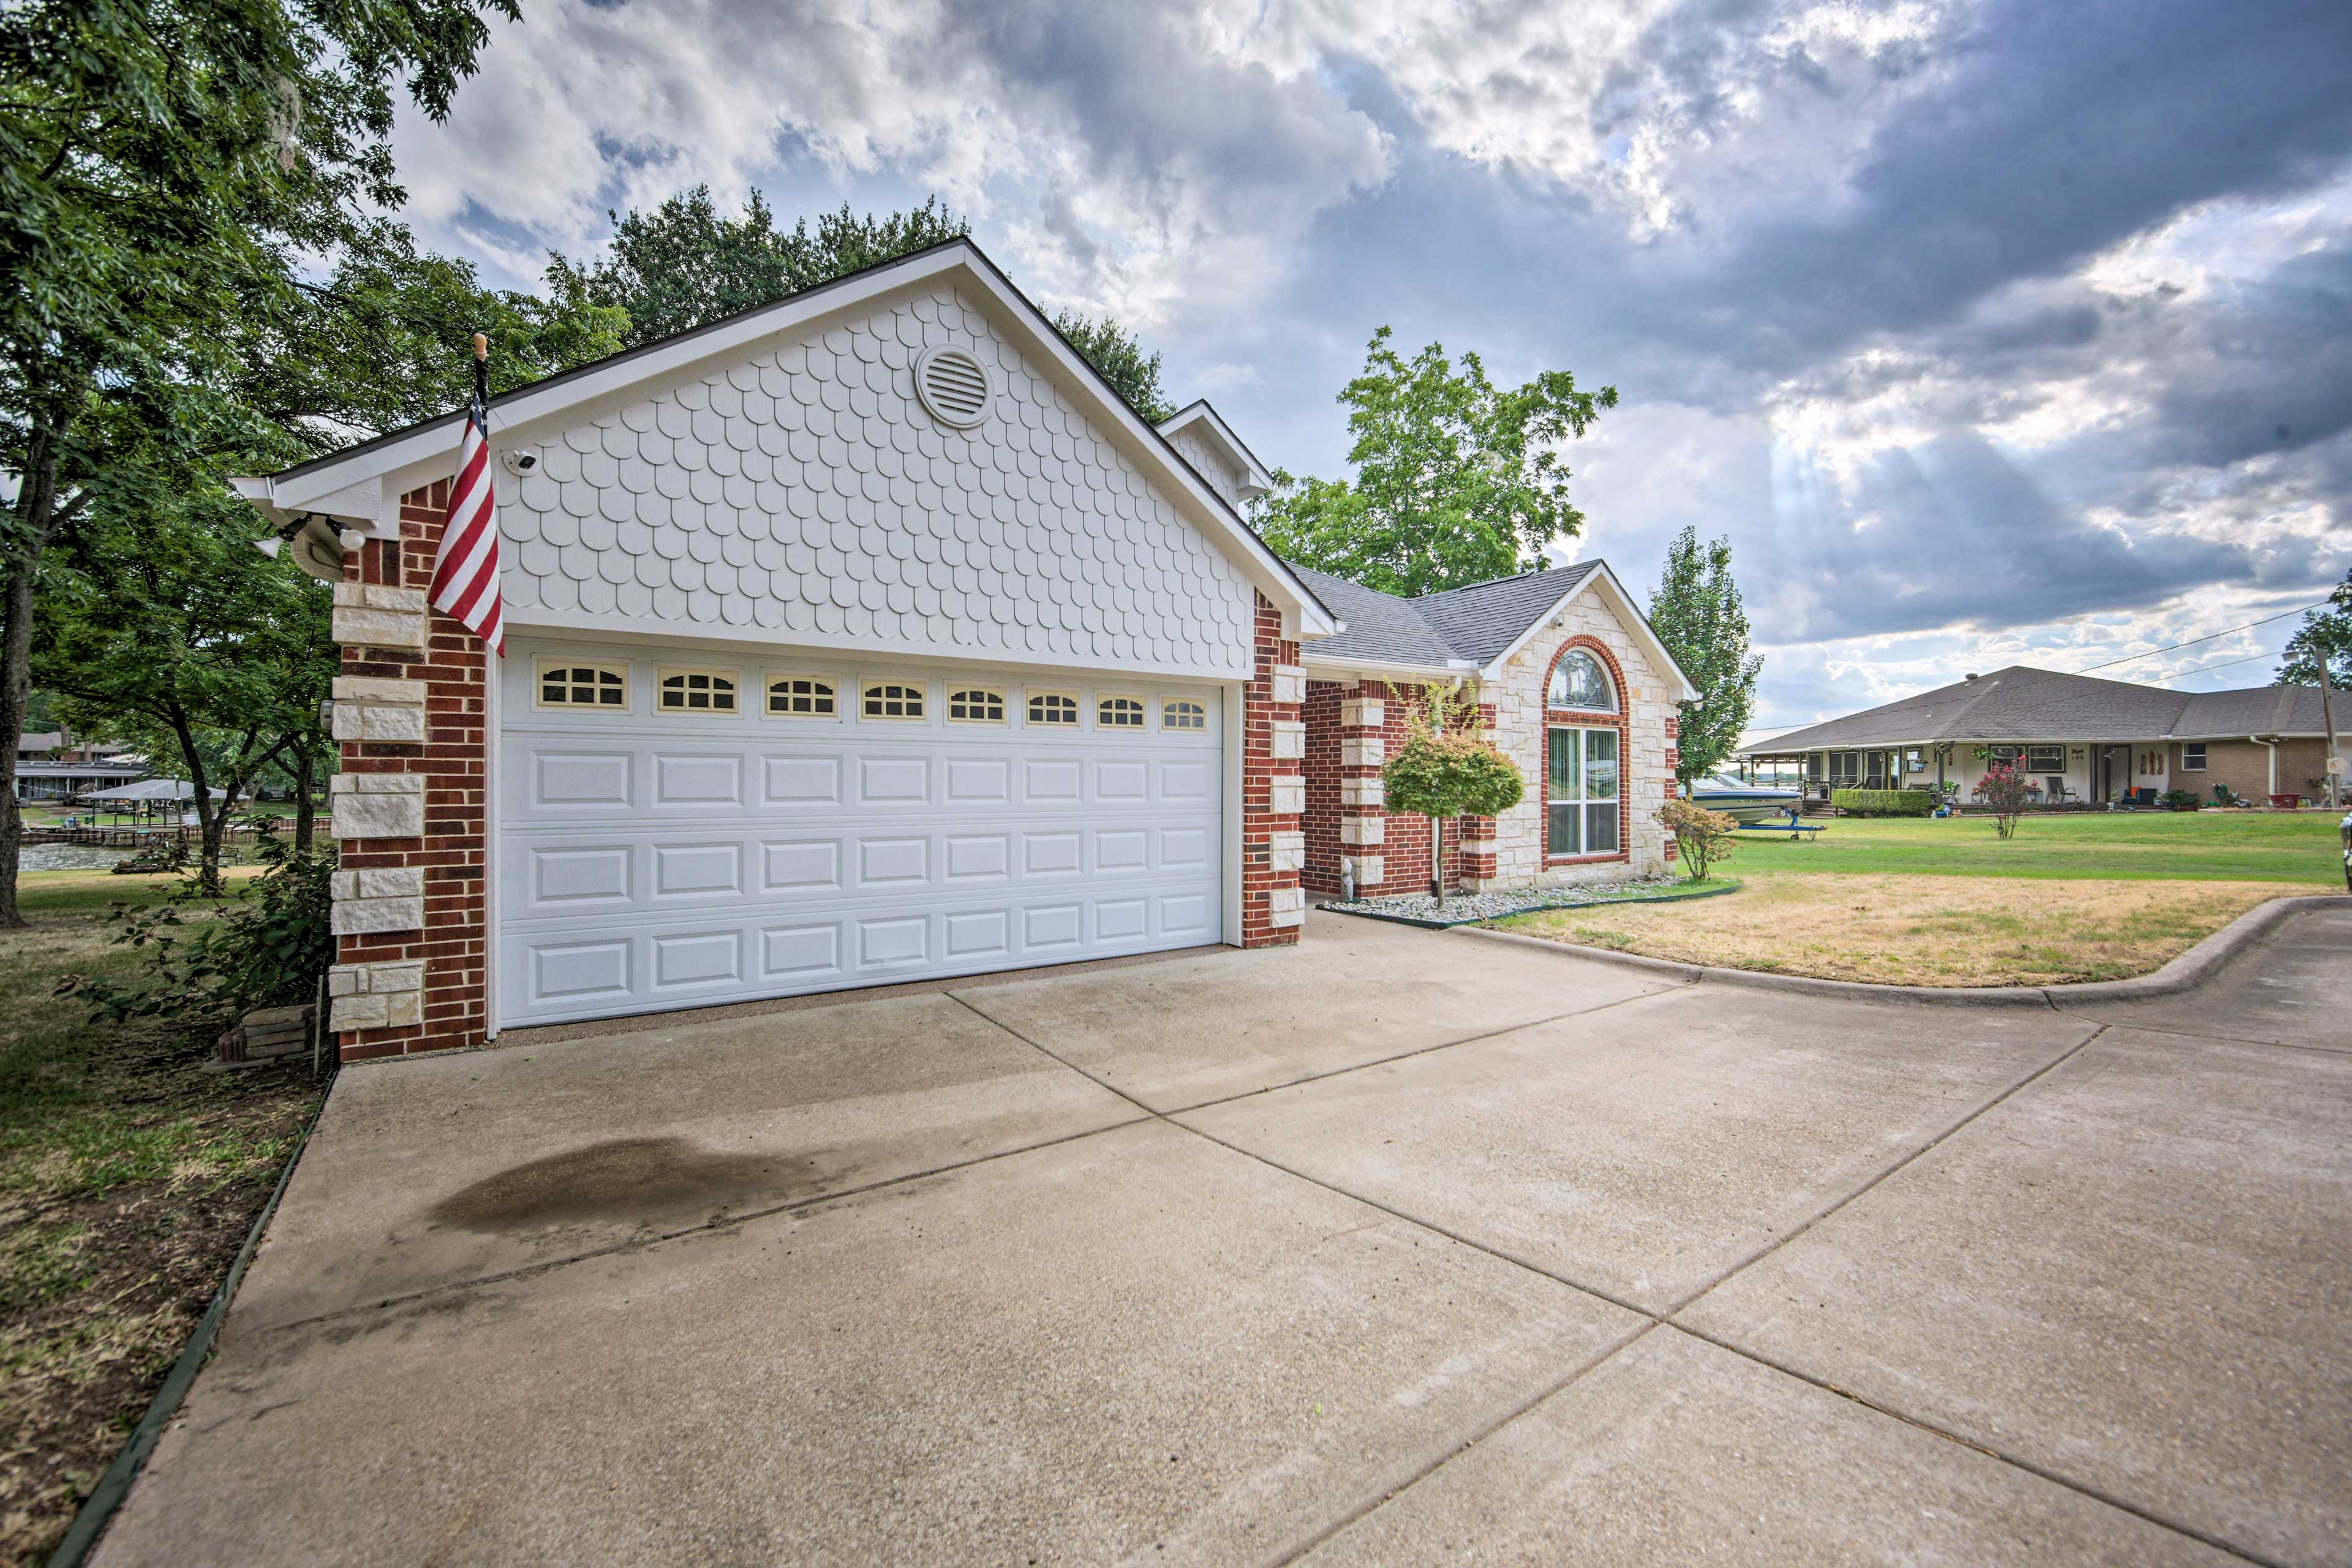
[(2003, 792), (1446, 769), (1885, 801), (265, 947), (2182, 800), (1702, 838)]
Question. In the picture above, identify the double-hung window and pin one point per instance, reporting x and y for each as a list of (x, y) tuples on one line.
[(1581, 791)]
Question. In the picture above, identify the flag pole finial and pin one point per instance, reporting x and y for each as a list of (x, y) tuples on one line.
[(481, 348)]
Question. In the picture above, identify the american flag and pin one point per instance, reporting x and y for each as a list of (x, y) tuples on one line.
[(465, 572)]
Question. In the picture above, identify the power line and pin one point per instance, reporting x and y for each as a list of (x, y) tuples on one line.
[(2224, 665), (2208, 637)]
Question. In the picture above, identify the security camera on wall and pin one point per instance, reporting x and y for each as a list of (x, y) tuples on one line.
[(520, 463)]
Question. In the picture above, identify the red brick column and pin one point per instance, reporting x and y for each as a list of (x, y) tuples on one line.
[(403, 987), (1363, 810), (1273, 788)]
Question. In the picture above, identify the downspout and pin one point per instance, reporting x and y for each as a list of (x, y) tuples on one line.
[(2271, 747)]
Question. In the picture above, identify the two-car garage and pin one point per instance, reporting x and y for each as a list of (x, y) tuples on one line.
[(689, 826)]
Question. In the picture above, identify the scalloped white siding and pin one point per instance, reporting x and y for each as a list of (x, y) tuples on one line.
[(806, 495), (1208, 465)]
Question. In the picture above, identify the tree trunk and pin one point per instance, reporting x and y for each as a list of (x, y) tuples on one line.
[(208, 819), (305, 814), (34, 505)]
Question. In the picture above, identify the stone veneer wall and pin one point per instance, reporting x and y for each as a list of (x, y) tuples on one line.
[(1646, 759)]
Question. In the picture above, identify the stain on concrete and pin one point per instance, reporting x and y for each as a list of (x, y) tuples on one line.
[(623, 1181)]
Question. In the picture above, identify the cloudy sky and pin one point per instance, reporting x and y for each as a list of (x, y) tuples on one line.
[(1991, 333)]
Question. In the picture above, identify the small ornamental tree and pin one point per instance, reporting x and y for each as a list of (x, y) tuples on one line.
[(2002, 791), (1446, 769), (1703, 838)]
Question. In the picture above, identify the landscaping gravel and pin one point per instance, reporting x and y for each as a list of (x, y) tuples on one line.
[(1462, 908)]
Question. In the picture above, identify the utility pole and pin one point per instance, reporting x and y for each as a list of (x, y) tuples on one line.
[(2334, 765)]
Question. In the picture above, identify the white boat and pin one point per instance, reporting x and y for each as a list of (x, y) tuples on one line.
[(1746, 803)]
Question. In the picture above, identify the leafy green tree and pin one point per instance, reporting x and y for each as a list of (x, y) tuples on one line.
[(683, 265), (1697, 614), (2324, 632), (162, 624), (1457, 481), (1447, 768), (1119, 358), (170, 168)]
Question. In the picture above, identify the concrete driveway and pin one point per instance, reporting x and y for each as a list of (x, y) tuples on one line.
[(1390, 1247)]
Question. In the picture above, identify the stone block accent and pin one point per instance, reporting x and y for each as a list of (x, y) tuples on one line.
[(377, 805), (391, 898), (1365, 752), (1362, 714), (1286, 851), (1287, 796), (372, 709), (1287, 909), (1363, 829), (1369, 870), (1289, 738), (1363, 792), (377, 614), (1289, 683), (377, 996)]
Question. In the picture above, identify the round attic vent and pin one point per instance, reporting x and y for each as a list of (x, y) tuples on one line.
[(953, 386)]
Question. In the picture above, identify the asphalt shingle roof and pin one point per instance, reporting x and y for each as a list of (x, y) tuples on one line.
[(1466, 626), (2020, 703)]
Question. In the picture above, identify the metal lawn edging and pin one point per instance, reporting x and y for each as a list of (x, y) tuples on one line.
[(97, 1509)]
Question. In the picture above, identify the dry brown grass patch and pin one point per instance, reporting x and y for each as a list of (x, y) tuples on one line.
[(1922, 931)]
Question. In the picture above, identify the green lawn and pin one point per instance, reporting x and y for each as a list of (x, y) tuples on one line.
[(2206, 847), (129, 1175)]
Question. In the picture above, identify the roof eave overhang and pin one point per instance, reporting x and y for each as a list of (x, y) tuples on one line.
[(1628, 613), (1383, 668), (360, 489), (1257, 479)]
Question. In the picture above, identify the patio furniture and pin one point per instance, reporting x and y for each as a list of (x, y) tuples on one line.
[(2136, 798)]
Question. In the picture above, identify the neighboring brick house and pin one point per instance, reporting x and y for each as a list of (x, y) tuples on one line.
[(867, 636), (2078, 737), (1571, 684)]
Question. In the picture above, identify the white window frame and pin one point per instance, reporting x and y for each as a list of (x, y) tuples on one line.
[(2198, 748), (734, 678), (955, 690), (1616, 697), (1077, 721), (775, 677), (913, 685), (1585, 800), (540, 666), (1200, 709), (1142, 711)]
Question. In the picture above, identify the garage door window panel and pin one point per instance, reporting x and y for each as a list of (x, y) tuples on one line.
[(975, 705), (801, 697), (571, 684), (893, 700), (1054, 710), (1184, 714), (702, 691), (1114, 711)]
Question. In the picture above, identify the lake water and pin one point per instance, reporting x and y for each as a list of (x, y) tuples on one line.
[(68, 858)]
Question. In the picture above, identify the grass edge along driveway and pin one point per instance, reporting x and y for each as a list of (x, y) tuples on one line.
[(1922, 902)]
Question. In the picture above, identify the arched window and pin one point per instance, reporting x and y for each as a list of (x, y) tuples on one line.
[(1578, 681)]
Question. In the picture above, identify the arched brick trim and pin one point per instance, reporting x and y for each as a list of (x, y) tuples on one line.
[(1622, 719)]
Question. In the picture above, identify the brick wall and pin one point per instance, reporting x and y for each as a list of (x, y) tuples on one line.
[(2245, 767), (1274, 790), (1320, 822), (401, 987)]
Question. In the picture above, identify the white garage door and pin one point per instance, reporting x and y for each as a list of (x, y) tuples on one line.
[(653, 858)]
